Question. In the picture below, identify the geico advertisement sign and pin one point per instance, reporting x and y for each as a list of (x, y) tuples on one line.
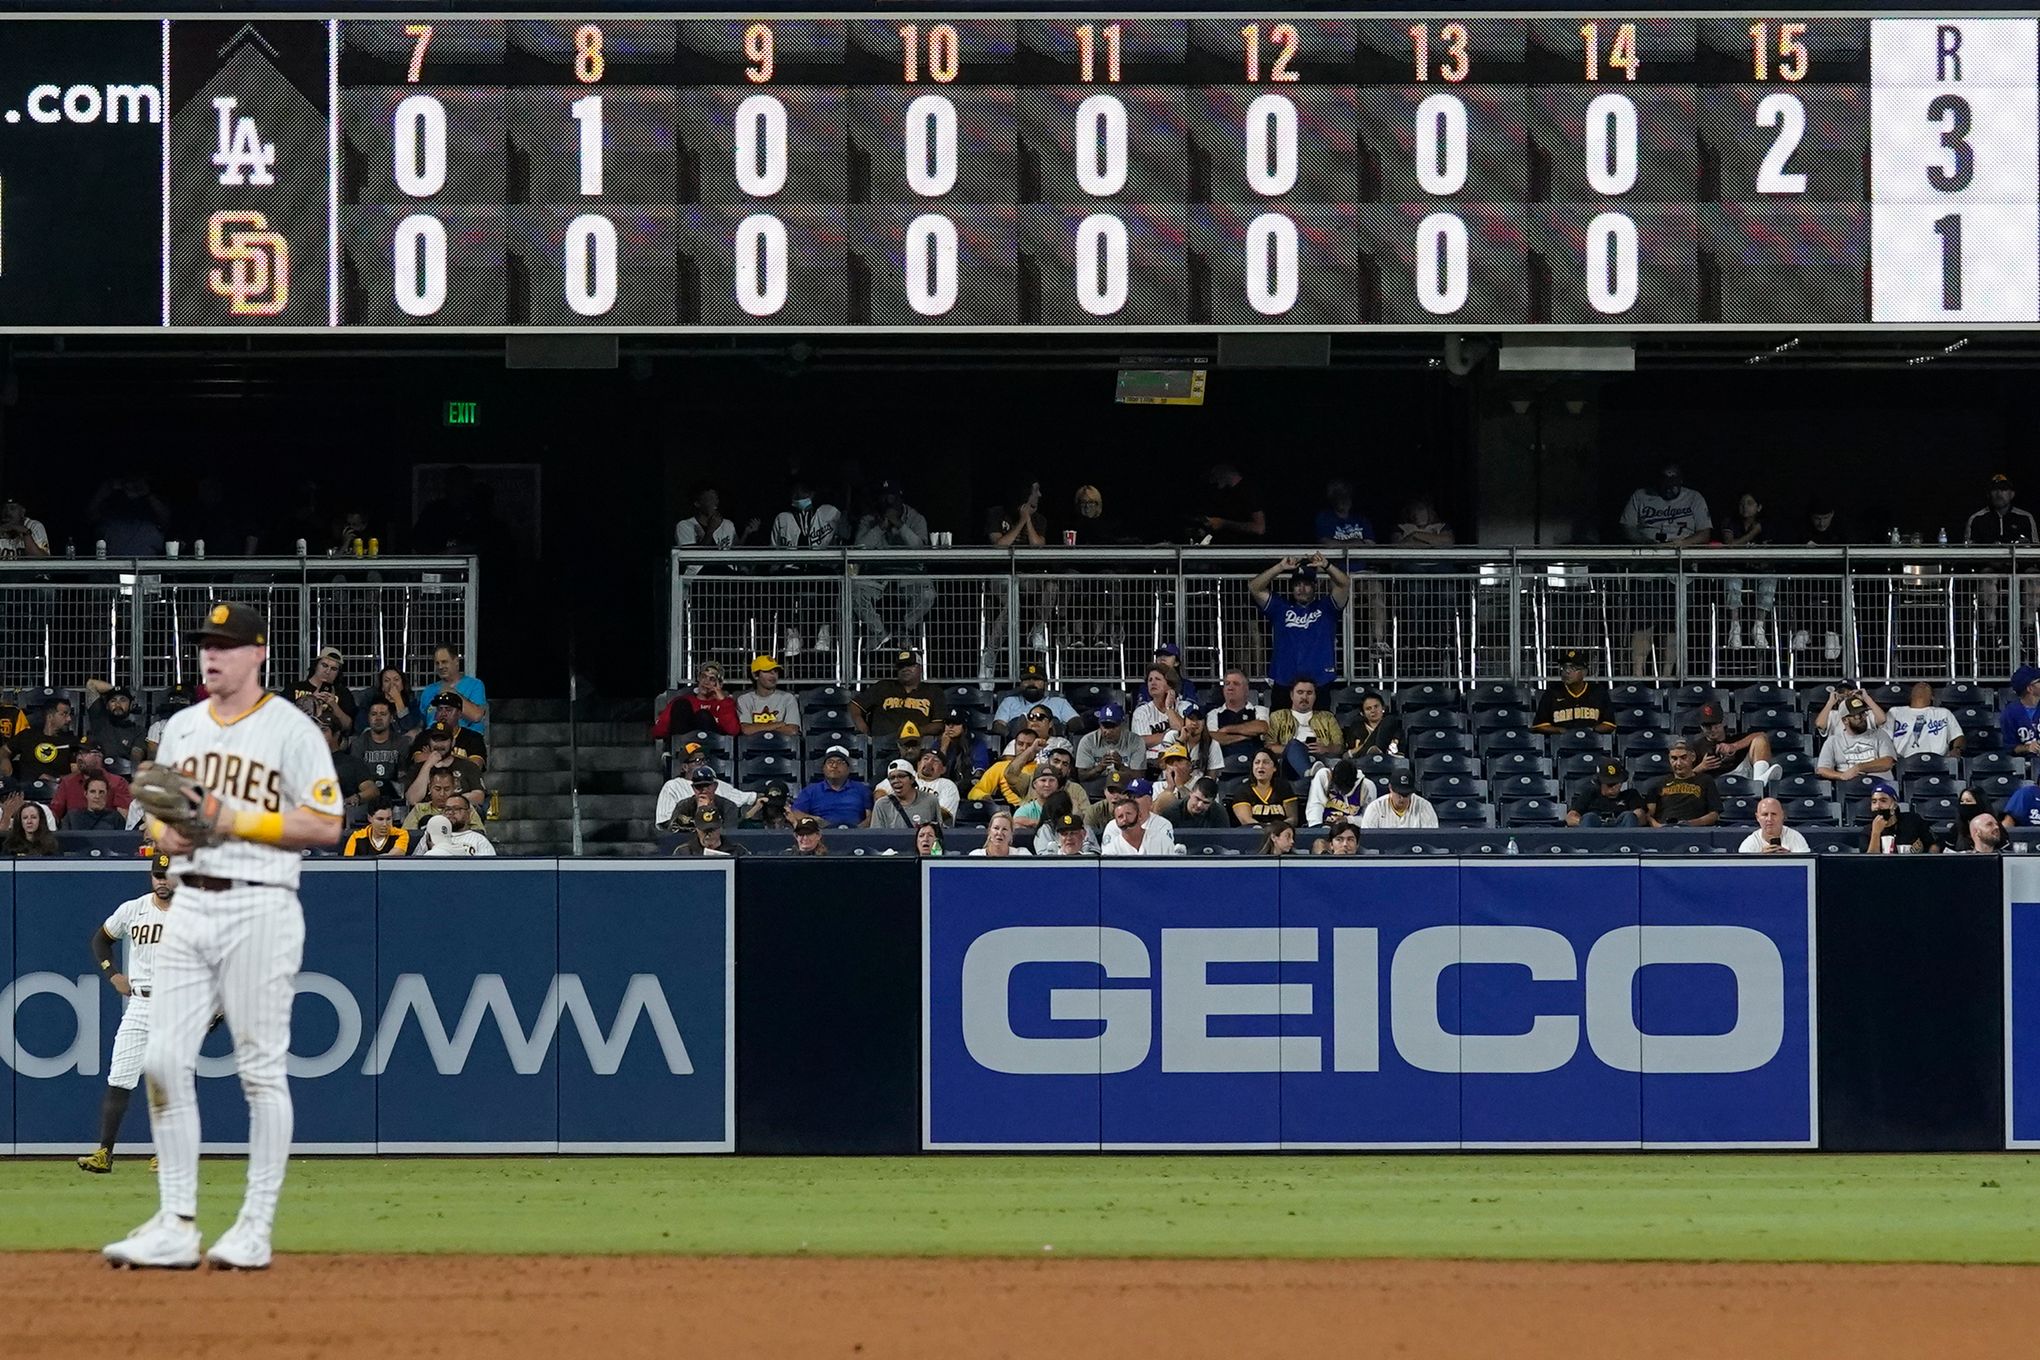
[(488, 1000), (1121, 1017), (1382, 1004)]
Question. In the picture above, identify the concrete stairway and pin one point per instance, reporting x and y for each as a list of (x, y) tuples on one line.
[(532, 763)]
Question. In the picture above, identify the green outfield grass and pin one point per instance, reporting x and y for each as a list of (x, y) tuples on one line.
[(1668, 1207)]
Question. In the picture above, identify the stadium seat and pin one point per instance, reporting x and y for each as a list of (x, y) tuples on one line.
[(1740, 810), (1433, 719), (1823, 840), (1996, 787), (1858, 790), (1984, 737), (1760, 716), (1631, 718), (1451, 785), (977, 811), (1737, 786), (815, 717), (1792, 762), (756, 771), (825, 696), (1448, 762), (969, 697), (1937, 812), (1460, 812), (1965, 694), (1923, 762), (1799, 786), (1510, 739), (1813, 696), (1086, 696), (1426, 743), (1811, 812), (1932, 786), (1505, 763), (1533, 812), (1892, 693), (1972, 718), (1646, 767), (1239, 760), (1575, 743), (1502, 716), (1644, 740), (1765, 695), (1633, 694), (768, 743), (1580, 765), (1427, 694), (1789, 738), (1379, 765), (1686, 698), (1993, 762), (1493, 694), (1516, 788)]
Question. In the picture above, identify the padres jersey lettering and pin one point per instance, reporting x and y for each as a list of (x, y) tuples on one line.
[(272, 758), (140, 922)]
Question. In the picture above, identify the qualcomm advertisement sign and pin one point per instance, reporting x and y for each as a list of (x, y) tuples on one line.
[(491, 1006), (1378, 1004)]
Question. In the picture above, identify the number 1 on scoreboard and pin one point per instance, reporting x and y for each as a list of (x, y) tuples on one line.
[(1621, 52)]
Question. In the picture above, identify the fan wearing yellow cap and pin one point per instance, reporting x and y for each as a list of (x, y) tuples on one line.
[(765, 708)]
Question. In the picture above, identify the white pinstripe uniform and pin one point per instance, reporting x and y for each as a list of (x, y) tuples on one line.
[(140, 922), (235, 949)]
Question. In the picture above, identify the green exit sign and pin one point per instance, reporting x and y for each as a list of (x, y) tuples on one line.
[(463, 413)]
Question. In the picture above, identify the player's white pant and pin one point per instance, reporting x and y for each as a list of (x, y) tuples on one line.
[(130, 1041), (237, 950)]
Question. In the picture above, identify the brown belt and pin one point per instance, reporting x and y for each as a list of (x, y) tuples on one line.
[(211, 884)]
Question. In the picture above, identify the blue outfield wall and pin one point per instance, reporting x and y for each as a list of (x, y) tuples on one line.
[(507, 1005), (1307, 1004)]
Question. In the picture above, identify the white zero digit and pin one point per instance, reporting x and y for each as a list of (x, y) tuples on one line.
[(760, 134), (1441, 144), (1611, 263), (1785, 113), (1101, 264), (418, 265), (1272, 267), (418, 145), (931, 127), (1611, 144), (1441, 263), (591, 265), (587, 112), (1101, 145), (760, 249), (931, 264), (1271, 126)]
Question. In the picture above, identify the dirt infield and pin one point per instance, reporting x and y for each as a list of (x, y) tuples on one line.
[(390, 1307)]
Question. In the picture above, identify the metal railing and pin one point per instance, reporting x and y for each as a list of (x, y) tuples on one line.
[(1463, 615), (128, 620)]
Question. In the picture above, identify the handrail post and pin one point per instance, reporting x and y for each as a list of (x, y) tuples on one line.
[(1515, 617), (1848, 657), (844, 649), (1680, 613), (2012, 599)]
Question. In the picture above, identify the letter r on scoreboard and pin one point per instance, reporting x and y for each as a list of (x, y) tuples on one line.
[(1955, 152)]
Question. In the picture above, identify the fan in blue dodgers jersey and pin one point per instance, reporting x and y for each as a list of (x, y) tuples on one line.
[(241, 784)]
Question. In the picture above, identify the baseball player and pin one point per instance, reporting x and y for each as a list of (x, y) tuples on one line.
[(241, 784), (140, 922)]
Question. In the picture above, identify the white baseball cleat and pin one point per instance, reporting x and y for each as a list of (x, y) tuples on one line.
[(165, 1242), (244, 1246)]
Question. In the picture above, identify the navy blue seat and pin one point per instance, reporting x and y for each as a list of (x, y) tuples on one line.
[(1635, 718), (1451, 784), (1517, 787), (1505, 763), (1501, 716), (1491, 694), (1645, 739), (1688, 697), (1931, 786), (1510, 739), (1427, 743), (1737, 786), (1993, 762), (1740, 810), (1635, 694), (768, 743), (825, 717), (1923, 762), (1431, 718), (1964, 694), (755, 772), (1937, 812), (1647, 766), (1762, 695), (1997, 787), (1799, 786), (1532, 812), (1811, 812), (825, 696), (1460, 811), (1448, 762), (1427, 694), (1575, 743)]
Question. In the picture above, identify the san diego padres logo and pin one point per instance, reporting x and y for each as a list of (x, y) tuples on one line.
[(219, 613), (256, 281), (325, 792)]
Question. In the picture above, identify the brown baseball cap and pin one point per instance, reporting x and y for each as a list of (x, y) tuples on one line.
[(233, 625)]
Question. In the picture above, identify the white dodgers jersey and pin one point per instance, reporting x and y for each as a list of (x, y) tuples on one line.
[(140, 922), (271, 759)]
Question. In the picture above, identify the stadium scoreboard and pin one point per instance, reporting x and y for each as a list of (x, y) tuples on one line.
[(1058, 171)]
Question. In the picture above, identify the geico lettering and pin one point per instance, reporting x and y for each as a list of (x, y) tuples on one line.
[(643, 998), (1120, 1019)]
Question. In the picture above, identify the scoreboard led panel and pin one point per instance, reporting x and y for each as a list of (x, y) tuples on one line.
[(1082, 170)]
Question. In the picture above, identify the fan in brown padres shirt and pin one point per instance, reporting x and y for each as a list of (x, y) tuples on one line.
[(1684, 797)]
